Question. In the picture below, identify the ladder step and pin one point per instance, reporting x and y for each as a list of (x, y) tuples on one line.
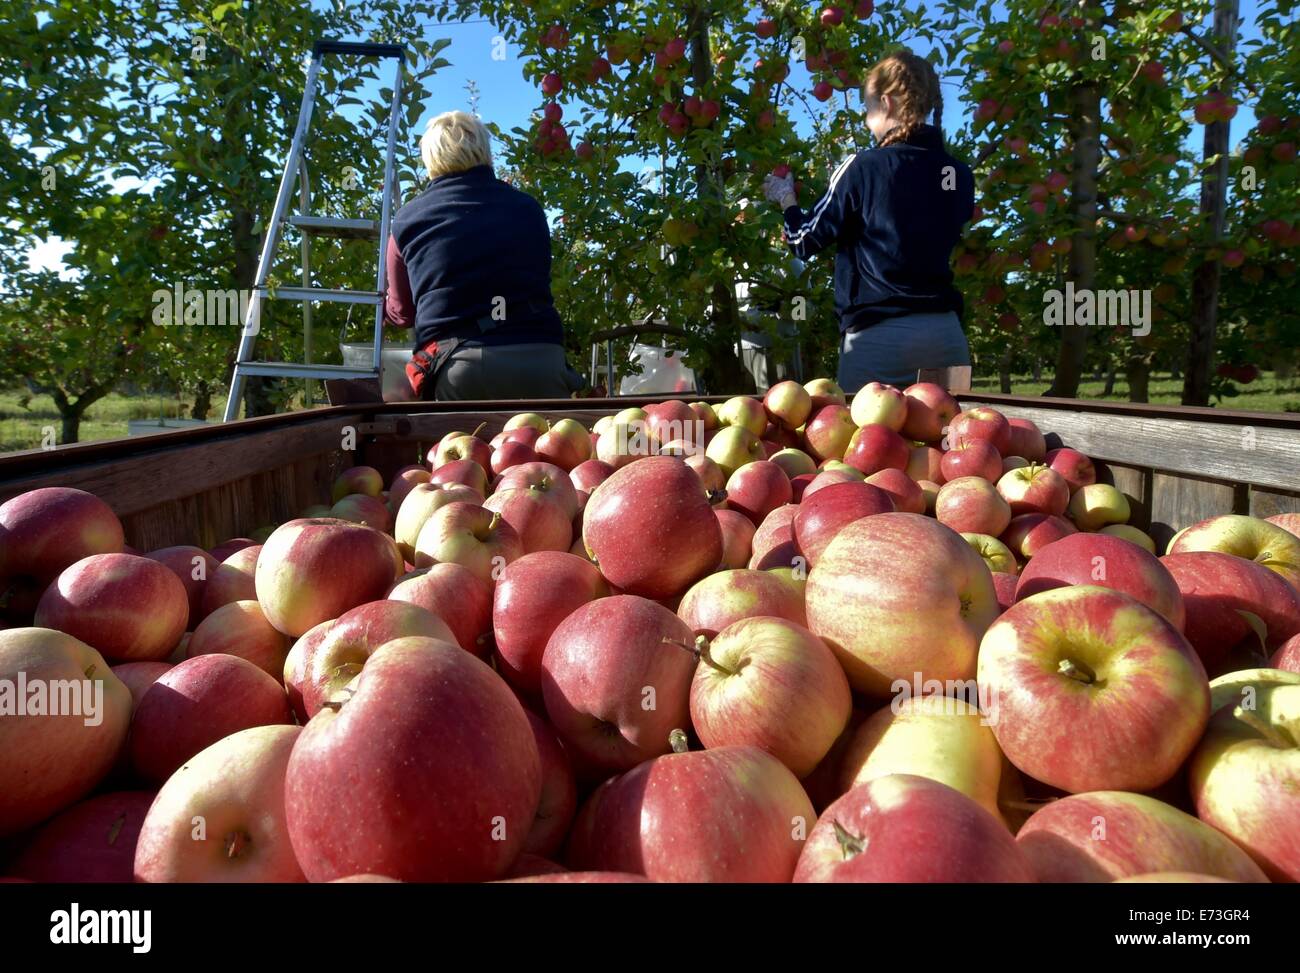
[(341, 296), (297, 370), (330, 226)]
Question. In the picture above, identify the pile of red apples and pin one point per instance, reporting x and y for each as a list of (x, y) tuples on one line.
[(797, 639)]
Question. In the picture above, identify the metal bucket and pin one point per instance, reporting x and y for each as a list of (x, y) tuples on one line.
[(393, 383)]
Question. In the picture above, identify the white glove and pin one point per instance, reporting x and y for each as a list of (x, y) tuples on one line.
[(778, 188)]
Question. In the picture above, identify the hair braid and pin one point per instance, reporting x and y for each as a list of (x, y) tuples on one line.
[(913, 86)]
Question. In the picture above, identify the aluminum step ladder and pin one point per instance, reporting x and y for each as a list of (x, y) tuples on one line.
[(295, 168)]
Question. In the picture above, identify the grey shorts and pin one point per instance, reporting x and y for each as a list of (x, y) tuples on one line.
[(537, 371), (894, 350)]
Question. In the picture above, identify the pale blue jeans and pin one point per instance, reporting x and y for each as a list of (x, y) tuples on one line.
[(894, 350)]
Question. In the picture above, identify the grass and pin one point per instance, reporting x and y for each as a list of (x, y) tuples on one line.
[(24, 418)]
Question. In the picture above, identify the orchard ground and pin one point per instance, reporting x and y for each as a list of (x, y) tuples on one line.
[(23, 416)]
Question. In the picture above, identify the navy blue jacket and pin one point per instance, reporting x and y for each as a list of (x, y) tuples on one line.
[(895, 215), (468, 246)]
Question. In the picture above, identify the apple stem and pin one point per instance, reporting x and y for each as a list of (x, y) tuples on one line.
[(716, 497), (850, 844), (481, 426), (1275, 736), (701, 651), (678, 741), (234, 844), (496, 519), (1076, 671)]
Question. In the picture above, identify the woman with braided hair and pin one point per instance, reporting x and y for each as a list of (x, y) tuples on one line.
[(895, 213)]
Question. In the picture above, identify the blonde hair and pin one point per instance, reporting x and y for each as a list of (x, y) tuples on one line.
[(453, 142), (913, 85)]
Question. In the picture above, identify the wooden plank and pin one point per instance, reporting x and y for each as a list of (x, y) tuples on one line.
[(1180, 501), (1267, 503), (1267, 456)]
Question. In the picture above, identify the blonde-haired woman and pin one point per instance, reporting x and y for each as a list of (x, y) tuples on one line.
[(469, 268), (895, 213)]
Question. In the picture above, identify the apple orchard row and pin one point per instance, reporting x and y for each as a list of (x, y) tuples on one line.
[(789, 639)]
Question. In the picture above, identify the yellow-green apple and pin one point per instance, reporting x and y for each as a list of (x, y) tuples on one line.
[(930, 491), (704, 412), (651, 530), (1288, 522), (908, 828), (898, 594), (925, 463), (330, 662), (1036, 489), (527, 420), (983, 423), (511, 453), (425, 733), (902, 490), (875, 448), (1109, 834), (972, 505), (795, 462), (1249, 537), (879, 404), (624, 443), (1073, 465), (464, 471), (929, 411), (827, 478), (709, 472), (241, 629), (745, 412), (1094, 690), (972, 457), (558, 802), (839, 466), (456, 595), (824, 392), (92, 841), (1097, 505), (226, 548), (588, 475), (1241, 685), (1027, 440), (758, 488), (44, 531), (734, 446), (567, 444), (1234, 607), (361, 508), (1028, 534), (195, 704), (996, 555), (221, 817), (724, 598), (821, 517), (65, 718), (632, 415), (463, 447), (601, 425), (788, 404), (357, 479), (468, 534), (312, 570), (192, 567), (828, 432), (613, 689), (734, 814), (737, 538), (537, 513), (1130, 534), (934, 736), (535, 594), (403, 482), (1287, 657), (1108, 562), (128, 607), (139, 676), (234, 579), (1245, 777), (769, 683), (420, 504)]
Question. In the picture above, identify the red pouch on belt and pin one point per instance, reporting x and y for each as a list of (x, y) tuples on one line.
[(422, 365)]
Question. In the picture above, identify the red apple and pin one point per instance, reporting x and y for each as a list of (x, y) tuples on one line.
[(1086, 679), (511, 453), (470, 535), (93, 841), (234, 579), (192, 566), (1034, 489), (139, 676), (651, 530), (403, 482), (1027, 440), (559, 794), (128, 607), (421, 503), (727, 597), (426, 733), (756, 489), (929, 411), (1028, 534), (983, 423), (567, 444), (737, 538), (56, 743), (925, 463), (195, 704), (1073, 465), (464, 471), (972, 505), (1247, 537), (588, 475), (902, 490), (828, 478), (822, 516), (535, 594), (905, 828), (734, 814), (456, 595), (221, 817), (241, 629), (613, 685), (1287, 657), (828, 431), (973, 457), (1288, 522), (875, 448), (537, 515), (226, 548), (358, 479)]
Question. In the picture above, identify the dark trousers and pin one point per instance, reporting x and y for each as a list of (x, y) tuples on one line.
[(533, 371)]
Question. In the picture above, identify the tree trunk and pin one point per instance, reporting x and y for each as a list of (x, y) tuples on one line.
[(202, 400), (1138, 373), (1004, 372), (1038, 370), (1109, 389), (1084, 109), (1214, 189)]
